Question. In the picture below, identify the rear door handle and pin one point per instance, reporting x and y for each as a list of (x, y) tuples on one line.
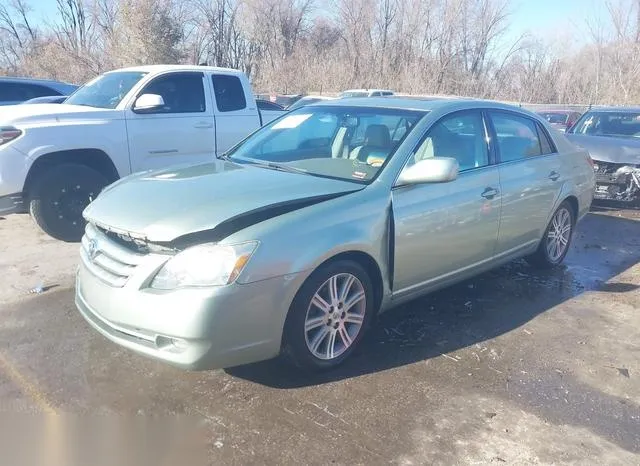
[(553, 176), (203, 124), (489, 193)]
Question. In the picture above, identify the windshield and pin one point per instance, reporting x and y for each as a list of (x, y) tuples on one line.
[(107, 90), (615, 124), (348, 143), (555, 117)]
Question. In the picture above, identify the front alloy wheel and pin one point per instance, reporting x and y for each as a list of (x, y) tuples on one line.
[(329, 316), (335, 316)]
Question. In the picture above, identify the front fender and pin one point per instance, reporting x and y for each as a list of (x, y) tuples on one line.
[(300, 241), (108, 136)]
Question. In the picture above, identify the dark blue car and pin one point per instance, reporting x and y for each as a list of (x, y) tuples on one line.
[(18, 90)]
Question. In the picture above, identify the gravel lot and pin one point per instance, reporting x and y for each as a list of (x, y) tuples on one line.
[(514, 367)]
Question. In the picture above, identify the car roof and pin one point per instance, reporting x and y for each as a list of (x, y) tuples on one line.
[(367, 90), (557, 111), (46, 82), (615, 109), (427, 105), (161, 68), (321, 97)]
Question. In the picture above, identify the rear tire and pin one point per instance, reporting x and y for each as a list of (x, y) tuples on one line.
[(58, 197), (556, 241), (321, 332)]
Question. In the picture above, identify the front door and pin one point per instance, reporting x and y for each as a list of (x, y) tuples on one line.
[(446, 229), (531, 176), (182, 131)]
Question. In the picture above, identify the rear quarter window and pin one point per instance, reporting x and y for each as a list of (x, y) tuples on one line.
[(546, 143)]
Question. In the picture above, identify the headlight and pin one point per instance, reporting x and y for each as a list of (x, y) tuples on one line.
[(8, 133), (204, 265)]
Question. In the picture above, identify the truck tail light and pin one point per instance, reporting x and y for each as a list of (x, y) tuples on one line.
[(8, 133)]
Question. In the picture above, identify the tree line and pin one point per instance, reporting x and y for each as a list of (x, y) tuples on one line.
[(458, 47)]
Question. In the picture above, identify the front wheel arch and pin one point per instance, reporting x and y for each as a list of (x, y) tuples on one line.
[(95, 159), (367, 262), (294, 344)]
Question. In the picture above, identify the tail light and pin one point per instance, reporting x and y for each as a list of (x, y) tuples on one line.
[(8, 133)]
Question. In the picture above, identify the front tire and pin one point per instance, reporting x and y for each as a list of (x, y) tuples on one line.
[(557, 237), (58, 197), (329, 316)]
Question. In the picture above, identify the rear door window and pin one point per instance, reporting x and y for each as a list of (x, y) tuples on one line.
[(516, 136), (229, 93)]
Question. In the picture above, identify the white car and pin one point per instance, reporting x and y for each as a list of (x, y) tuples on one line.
[(54, 158)]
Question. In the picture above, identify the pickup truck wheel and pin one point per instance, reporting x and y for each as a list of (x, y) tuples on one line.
[(58, 197), (329, 316)]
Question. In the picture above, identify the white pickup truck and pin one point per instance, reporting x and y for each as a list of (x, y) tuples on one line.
[(55, 157)]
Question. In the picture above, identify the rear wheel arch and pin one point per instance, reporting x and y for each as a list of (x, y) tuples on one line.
[(95, 159), (575, 206)]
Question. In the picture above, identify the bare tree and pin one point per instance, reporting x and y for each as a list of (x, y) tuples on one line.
[(418, 46), (17, 35)]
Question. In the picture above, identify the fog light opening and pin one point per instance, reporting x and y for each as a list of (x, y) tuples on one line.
[(169, 343)]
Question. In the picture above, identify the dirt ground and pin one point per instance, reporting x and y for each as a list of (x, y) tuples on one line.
[(516, 366)]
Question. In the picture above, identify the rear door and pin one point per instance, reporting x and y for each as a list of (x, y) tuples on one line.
[(531, 178), (236, 114), (443, 230), (180, 132)]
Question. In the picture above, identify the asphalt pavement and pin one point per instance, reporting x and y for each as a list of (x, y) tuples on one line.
[(517, 366)]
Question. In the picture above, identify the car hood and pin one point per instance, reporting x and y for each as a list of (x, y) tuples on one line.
[(49, 113), (209, 201), (609, 149)]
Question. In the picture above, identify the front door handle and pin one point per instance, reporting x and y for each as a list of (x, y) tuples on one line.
[(553, 176), (203, 124), (489, 193)]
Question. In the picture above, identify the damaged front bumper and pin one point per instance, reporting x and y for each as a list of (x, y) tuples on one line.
[(617, 181)]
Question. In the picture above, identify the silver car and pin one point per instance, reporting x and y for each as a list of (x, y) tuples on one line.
[(299, 236), (612, 137)]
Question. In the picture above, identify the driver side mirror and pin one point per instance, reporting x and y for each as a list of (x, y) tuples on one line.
[(431, 170), (148, 103)]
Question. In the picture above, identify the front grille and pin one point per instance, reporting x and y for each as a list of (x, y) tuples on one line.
[(106, 259), (608, 178)]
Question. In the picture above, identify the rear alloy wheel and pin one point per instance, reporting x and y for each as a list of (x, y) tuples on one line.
[(557, 238), (59, 196), (329, 316)]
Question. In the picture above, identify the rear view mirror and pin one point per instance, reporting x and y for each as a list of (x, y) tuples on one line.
[(431, 170), (147, 103), (350, 121)]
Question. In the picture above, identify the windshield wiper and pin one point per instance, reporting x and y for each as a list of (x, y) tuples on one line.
[(278, 166)]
